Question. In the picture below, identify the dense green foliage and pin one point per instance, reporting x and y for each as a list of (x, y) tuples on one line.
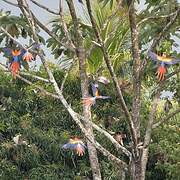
[(45, 125)]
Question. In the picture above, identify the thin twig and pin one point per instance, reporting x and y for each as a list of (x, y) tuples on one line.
[(155, 17), (44, 7), (64, 25), (11, 37), (44, 28), (35, 77), (11, 3), (66, 75), (166, 118)]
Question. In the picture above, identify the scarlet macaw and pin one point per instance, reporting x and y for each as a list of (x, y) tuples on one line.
[(75, 144), (16, 57), (164, 60), (92, 100)]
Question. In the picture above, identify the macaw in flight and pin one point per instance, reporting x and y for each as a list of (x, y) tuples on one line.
[(89, 101), (163, 60), (16, 56), (76, 145)]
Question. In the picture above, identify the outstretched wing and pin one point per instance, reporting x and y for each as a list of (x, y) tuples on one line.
[(7, 51), (171, 60), (22, 52), (165, 60), (77, 145), (68, 146), (153, 56), (103, 97)]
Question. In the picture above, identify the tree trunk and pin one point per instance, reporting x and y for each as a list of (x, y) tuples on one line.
[(144, 160), (87, 115), (136, 170), (138, 166)]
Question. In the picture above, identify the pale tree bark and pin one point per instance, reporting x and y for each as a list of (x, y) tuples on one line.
[(81, 54), (136, 106)]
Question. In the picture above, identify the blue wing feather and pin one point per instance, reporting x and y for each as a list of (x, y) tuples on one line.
[(68, 146), (73, 146), (94, 89), (153, 56), (7, 51)]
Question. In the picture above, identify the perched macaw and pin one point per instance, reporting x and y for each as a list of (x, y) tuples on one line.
[(163, 60), (92, 100), (16, 56), (75, 144)]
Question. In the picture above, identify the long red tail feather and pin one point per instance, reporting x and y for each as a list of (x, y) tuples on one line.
[(14, 67)]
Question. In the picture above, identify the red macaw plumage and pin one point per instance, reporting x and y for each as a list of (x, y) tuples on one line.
[(15, 64), (76, 145), (15, 67), (163, 60), (17, 56), (28, 56), (89, 101)]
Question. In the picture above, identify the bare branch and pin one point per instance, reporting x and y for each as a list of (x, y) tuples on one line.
[(166, 118), (43, 27), (154, 109), (30, 83), (154, 17), (65, 26), (147, 136), (44, 7), (35, 76), (111, 157), (14, 40), (115, 143)]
